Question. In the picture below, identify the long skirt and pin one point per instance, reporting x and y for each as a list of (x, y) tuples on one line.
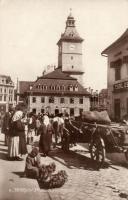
[(22, 145), (45, 143), (13, 146)]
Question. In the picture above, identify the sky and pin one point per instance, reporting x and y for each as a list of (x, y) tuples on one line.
[(30, 30)]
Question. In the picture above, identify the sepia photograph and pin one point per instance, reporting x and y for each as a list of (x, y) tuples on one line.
[(63, 99)]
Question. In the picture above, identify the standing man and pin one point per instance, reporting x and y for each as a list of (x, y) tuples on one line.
[(6, 123), (31, 128)]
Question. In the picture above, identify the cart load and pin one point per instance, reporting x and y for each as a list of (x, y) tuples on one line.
[(96, 129), (95, 116)]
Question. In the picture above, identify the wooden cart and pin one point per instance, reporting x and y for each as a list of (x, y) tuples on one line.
[(101, 139)]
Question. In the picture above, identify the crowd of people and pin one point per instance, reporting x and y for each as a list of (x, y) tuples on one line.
[(21, 129)]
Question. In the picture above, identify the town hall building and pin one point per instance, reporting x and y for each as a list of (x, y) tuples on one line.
[(62, 89)]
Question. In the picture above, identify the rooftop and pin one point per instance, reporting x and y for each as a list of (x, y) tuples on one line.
[(70, 33), (57, 74), (123, 37)]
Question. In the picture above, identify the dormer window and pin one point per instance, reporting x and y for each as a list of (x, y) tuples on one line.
[(71, 88), (58, 87), (76, 88), (45, 87), (68, 87), (30, 87)]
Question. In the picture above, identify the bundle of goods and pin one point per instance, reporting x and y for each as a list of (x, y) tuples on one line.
[(95, 116), (47, 170), (49, 180)]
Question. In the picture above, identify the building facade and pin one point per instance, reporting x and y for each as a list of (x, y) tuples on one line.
[(6, 93), (117, 77), (57, 92), (60, 90)]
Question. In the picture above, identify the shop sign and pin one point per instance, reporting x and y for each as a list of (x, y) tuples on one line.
[(121, 86)]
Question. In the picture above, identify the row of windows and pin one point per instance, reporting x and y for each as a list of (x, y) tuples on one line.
[(58, 87), (71, 111), (5, 98), (52, 100), (5, 90)]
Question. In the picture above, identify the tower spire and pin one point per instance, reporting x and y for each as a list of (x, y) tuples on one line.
[(70, 20), (70, 12)]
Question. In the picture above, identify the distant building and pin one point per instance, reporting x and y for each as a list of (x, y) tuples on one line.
[(22, 93), (117, 77), (6, 93), (103, 99), (94, 100), (98, 100), (60, 90)]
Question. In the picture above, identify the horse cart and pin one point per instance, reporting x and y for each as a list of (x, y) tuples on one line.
[(101, 138)]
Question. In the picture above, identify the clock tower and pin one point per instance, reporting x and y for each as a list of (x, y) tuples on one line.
[(70, 50)]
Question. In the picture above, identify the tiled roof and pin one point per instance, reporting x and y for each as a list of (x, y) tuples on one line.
[(8, 78), (53, 84), (70, 34), (57, 74), (24, 86), (124, 36)]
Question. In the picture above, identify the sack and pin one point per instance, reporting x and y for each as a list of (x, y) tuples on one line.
[(95, 116)]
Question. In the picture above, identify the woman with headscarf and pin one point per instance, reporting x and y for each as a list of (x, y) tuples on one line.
[(46, 131), (17, 144)]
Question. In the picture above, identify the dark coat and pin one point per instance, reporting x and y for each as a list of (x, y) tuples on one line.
[(17, 128), (6, 123), (45, 138)]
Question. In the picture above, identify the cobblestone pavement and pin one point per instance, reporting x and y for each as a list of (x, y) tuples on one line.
[(85, 181)]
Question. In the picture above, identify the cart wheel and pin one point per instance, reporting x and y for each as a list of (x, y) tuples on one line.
[(65, 144), (97, 150)]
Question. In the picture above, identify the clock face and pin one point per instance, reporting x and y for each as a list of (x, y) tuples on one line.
[(72, 47)]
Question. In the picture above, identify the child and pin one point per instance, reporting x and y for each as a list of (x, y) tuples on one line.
[(33, 164)]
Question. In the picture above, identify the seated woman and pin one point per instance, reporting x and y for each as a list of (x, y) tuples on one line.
[(33, 164)]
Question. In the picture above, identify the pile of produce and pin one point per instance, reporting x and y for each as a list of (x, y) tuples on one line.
[(49, 179)]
